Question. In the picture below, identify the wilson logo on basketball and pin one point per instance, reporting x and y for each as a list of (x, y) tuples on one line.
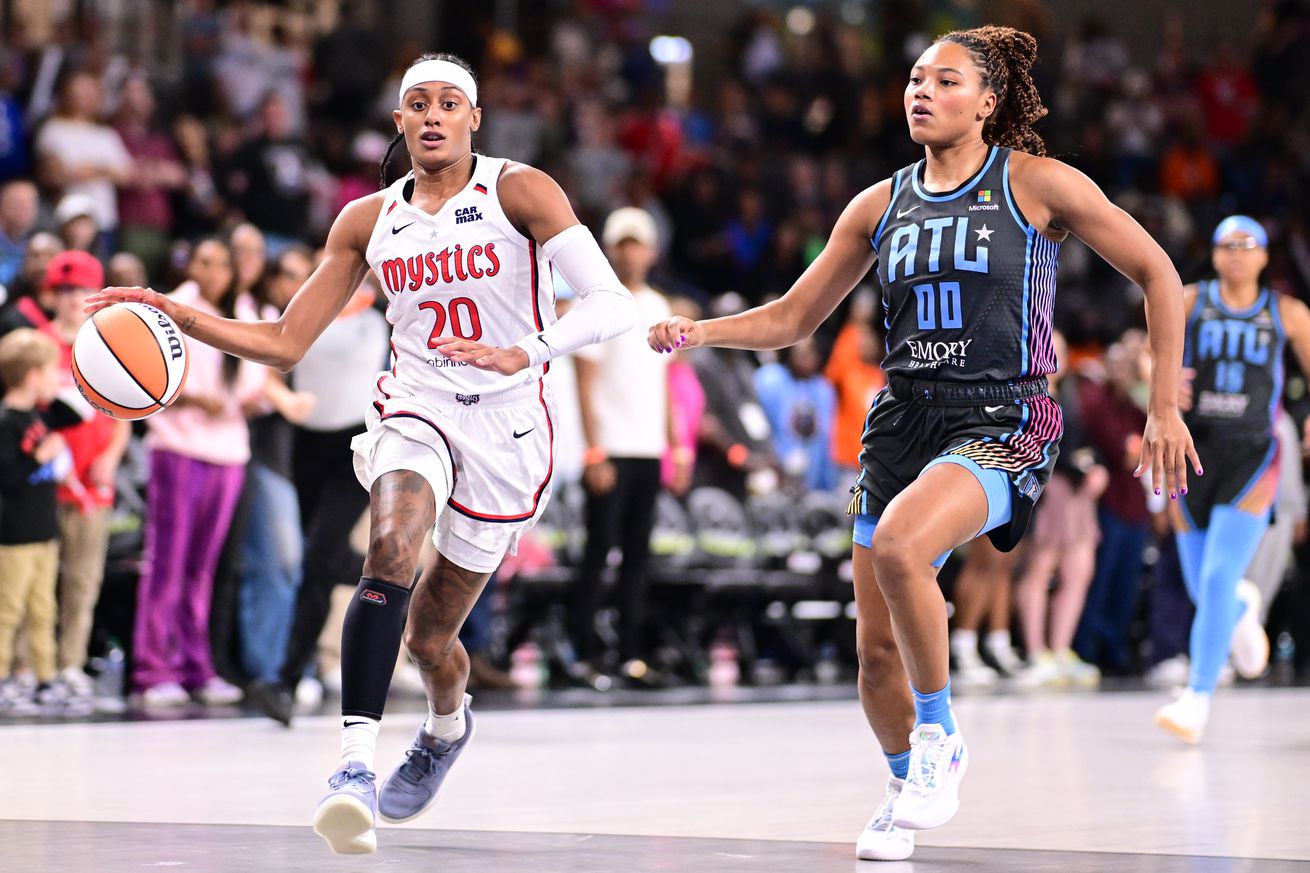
[(368, 595), (446, 266), (166, 325)]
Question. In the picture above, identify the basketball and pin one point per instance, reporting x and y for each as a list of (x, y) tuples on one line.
[(129, 360)]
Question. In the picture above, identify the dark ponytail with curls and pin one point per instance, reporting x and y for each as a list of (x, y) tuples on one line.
[(399, 138), (1006, 56)]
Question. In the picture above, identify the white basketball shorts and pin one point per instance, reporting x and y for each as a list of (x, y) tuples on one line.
[(489, 461)]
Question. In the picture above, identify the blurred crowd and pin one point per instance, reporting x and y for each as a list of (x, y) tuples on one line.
[(713, 185)]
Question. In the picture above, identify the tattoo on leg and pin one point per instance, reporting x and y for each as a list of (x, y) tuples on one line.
[(402, 510), (442, 600)]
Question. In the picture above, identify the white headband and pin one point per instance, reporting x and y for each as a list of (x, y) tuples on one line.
[(439, 71)]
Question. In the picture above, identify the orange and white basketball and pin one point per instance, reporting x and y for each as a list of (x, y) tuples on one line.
[(129, 360)]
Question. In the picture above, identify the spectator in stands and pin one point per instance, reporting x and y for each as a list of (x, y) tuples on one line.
[(1114, 422), (76, 220), (686, 406), (983, 592), (623, 391), (269, 177), (197, 461), (145, 205), (77, 154), (734, 440), (31, 303), (1063, 544), (197, 205), (855, 375), (272, 542), (339, 371), (1269, 566), (800, 404), (18, 208), (125, 270), (32, 460), (86, 495)]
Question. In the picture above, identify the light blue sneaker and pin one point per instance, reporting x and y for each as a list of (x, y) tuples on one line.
[(347, 814), (412, 786)]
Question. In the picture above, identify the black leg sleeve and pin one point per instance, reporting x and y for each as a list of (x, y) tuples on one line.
[(370, 641)]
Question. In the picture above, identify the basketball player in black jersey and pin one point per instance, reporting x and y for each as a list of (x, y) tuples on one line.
[(964, 437)]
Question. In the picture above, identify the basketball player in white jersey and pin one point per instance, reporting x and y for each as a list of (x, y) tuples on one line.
[(460, 433)]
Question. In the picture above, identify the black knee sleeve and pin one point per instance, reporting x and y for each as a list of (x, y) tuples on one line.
[(370, 641)]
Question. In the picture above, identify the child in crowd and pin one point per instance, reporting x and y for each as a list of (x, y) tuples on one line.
[(32, 460)]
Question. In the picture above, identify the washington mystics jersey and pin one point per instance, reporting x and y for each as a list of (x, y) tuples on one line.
[(1238, 359), (465, 272), (968, 284)]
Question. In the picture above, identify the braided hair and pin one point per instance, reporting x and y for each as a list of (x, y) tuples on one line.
[(400, 135), (1006, 56)]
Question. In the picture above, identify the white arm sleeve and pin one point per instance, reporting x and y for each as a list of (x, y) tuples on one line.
[(604, 310)]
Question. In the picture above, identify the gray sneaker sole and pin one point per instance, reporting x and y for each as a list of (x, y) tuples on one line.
[(346, 823), (473, 731)]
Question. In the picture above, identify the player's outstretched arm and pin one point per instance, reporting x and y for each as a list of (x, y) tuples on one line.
[(537, 207), (1075, 204), (281, 343), (798, 313)]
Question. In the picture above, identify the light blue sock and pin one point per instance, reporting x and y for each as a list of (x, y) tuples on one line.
[(1191, 557), (899, 763), (1230, 543), (934, 708)]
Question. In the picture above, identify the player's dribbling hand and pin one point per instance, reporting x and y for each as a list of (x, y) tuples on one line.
[(675, 333), (106, 297), (507, 362), (1166, 448)]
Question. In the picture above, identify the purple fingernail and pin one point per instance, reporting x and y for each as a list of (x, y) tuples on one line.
[(1173, 496), (1157, 492), (1200, 472), (1184, 490)]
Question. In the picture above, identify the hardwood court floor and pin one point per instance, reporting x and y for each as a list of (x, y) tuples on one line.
[(1059, 782)]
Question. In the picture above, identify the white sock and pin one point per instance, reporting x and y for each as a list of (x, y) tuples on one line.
[(998, 641), (964, 641), (359, 739), (447, 728)]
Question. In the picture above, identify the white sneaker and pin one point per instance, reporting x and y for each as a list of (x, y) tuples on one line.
[(931, 795), (76, 682), (1250, 647), (309, 693), (1169, 673), (998, 646), (1044, 670), (16, 699), (219, 692), (881, 840), (165, 694), (970, 671), (1077, 672), (331, 680), (1186, 717)]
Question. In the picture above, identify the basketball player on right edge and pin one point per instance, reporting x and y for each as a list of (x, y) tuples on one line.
[(460, 433), (1237, 330), (965, 435)]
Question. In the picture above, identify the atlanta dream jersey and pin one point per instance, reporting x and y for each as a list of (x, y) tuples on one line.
[(968, 283), (1238, 359), (464, 272)]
